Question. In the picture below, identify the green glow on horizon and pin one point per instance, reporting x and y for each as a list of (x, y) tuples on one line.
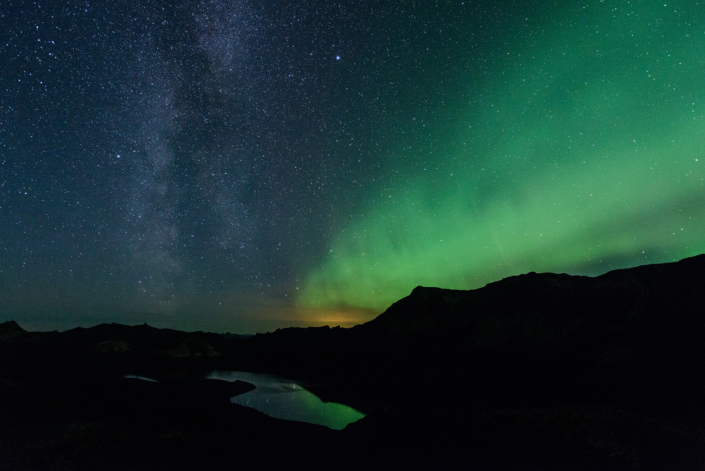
[(585, 154)]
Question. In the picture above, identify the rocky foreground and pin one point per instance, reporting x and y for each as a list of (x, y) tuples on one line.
[(538, 371)]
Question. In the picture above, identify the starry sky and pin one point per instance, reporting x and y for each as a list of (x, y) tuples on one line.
[(247, 165)]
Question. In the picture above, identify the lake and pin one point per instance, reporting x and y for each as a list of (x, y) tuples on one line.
[(288, 400)]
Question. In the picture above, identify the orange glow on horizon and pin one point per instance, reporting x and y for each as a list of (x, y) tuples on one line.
[(334, 317)]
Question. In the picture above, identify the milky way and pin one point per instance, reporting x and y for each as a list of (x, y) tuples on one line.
[(250, 165)]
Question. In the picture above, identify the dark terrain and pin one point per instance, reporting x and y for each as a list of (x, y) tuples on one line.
[(538, 371)]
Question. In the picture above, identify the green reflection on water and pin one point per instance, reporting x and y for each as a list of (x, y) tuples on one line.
[(285, 399)]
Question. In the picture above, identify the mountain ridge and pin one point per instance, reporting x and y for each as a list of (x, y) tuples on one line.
[(612, 340), (536, 371)]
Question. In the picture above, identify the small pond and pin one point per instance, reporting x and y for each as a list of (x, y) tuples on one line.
[(288, 400)]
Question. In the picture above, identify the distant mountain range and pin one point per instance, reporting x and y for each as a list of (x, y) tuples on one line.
[(537, 371)]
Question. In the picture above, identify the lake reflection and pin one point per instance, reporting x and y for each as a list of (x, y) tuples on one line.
[(286, 399)]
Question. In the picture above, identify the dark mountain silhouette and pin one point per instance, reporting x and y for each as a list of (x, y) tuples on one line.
[(10, 328), (537, 371), (625, 338)]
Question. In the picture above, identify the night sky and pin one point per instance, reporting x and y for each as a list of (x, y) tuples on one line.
[(247, 165)]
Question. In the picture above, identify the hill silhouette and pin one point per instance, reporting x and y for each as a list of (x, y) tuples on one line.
[(537, 371), (626, 338)]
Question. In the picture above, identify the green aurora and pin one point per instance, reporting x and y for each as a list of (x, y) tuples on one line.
[(581, 151)]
